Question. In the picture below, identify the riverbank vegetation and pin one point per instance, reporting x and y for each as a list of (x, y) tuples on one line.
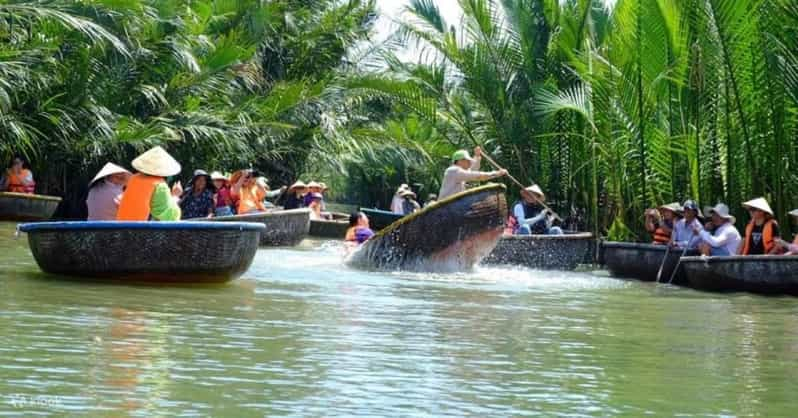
[(611, 109)]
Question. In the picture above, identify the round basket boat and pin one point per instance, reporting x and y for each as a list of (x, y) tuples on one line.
[(283, 228), (546, 252), (765, 274), (642, 261), (380, 219), (155, 252), (453, 234), (27, 207)]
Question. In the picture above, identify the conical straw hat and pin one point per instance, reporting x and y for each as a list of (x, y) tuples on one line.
[(536, 190), (156, 162), (108, 170), (759, 203), (298, 185), (794, 213)]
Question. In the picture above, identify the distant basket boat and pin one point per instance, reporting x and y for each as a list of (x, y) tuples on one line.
[(453, 234), (547, 252), (330, 228), (159, 252), (380, 219), (765, 274), (27, 207), (284, 228), (642, 261)]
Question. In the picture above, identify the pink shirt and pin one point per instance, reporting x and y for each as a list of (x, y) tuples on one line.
[(103, 201)]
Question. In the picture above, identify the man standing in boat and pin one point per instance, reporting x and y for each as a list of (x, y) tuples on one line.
[(465, 169)]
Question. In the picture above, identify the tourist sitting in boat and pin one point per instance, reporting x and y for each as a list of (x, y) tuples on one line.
[(684, 235), (792, 249), (409, 204), (465, 169), (762, 231), (198, 200), (724, 239), (431, 198), (660, 221), (249, 193), (105, 192), (224, 202), (147, 196), (312, 187), (530, 216), (397, 200), (359, 230), (295, 196), (315, 206), (18, 178)]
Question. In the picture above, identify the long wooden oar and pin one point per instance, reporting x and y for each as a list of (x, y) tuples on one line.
[(519, 184)]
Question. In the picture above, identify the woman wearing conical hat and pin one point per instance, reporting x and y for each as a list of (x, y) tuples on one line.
[(762, 231), (105, 192), (295, 196), (147, 195)]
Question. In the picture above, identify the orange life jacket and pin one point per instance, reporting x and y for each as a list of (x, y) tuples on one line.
[(661, 236), (15, 183), (767, 236), (250, 199), (135, 203)]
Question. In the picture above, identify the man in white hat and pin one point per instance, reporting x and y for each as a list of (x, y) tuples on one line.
[(398, 200), (792, 249), (147, 195), (105, 192), (409, 204), (465, 169), (762, 231), (724, 239), (530, 216)]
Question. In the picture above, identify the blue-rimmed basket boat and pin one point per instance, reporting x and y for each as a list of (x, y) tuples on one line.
[(283, 228), (159, 252), (380, 219), (453, 234), (27, 207), (546, 252), (642, 261), (765, 274)]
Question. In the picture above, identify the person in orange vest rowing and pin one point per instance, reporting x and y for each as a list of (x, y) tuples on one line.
[(762, 231), (18, 179), (792, 249), (147, 195), (660, 221)]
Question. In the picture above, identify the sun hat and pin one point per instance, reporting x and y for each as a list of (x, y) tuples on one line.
[(760, 204), (109, 169), (156, 162), (405, 193), (690, 204), (402, 188), (219, 176), (208, 180), (461, 155), (298, 185), (313, 185), (674, 207), (794, 213), (323, 186), (535, 189), (723, 211)]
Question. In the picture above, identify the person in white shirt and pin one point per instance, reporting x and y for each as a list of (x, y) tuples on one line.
[(725, 239), (791, 248), (398, 201), (465, 169), (683, 234)]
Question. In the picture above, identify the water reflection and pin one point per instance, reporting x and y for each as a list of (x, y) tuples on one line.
[(301, 334)]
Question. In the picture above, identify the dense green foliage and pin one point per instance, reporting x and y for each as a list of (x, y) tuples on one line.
[(222, 84), (615, 109)]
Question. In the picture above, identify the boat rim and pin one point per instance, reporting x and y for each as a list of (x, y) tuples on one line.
[(138, 225), (484, 188), (281, 212), (736, 258), (633, 245), (564, 236), (30, 196)]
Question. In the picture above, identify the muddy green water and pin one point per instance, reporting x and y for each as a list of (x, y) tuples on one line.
[(302, 335)]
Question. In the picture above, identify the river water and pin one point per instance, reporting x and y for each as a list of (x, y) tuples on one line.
[(302, 335)]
